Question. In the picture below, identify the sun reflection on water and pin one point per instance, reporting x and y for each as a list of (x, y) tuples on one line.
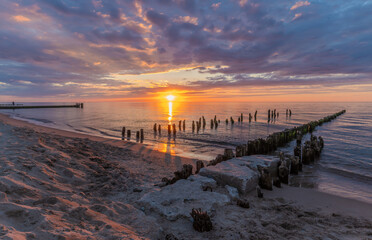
[(170, 114)]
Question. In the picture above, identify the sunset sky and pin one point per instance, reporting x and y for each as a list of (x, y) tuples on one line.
[(242, 50)]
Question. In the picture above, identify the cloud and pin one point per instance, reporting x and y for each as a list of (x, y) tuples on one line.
[(297, 16), (157, 18), (300, 4), (186, 19), (216, 5), (99, 45), (20, 18)]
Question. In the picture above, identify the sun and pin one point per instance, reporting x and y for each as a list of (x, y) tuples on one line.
[(170, 97)]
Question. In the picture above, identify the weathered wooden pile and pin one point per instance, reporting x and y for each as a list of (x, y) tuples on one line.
[(182, 174), (279, 139), (289, 164), (139, 134)]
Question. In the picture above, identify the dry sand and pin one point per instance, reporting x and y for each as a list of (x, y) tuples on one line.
[(61, 185)]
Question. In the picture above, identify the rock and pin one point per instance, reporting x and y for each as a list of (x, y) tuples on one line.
[(264, 180), (170, 236), (202, 221), (175, 201), (242, 203), (3, 197), (234, 173), (270, 162), (137, 190), (233, 192)]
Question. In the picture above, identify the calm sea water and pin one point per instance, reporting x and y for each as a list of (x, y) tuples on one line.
[(345, 167)]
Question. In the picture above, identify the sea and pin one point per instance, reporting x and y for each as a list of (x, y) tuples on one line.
[(344, 167)]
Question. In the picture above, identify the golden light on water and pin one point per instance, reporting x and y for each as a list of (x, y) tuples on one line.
[(170, 114)]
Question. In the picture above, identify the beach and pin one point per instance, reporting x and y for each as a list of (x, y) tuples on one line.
[(56, 184)]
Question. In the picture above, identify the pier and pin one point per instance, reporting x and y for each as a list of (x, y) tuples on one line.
[(18, 106)]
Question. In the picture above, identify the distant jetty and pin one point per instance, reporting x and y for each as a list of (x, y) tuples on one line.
[(19, 106)]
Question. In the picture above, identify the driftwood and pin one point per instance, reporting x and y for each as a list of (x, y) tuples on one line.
[(202, 221)]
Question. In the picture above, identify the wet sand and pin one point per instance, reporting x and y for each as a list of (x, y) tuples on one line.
[(56, 184)]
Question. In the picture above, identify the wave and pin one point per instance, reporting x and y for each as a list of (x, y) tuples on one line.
[(348, 174), (102, 132)]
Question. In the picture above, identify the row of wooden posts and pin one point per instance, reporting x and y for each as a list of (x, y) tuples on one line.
[(139, 134), (201, 123), (310, 151), (273, 141), (198, 125), (273, 114)]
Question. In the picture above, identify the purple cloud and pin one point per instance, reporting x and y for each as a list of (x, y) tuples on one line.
[(89, 42)]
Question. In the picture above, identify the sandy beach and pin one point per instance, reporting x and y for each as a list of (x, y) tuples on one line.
[(56, 184)]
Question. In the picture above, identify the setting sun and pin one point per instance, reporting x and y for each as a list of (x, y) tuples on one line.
[(170, 97)]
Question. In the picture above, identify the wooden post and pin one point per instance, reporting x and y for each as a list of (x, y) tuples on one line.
[(250, 117), (204, 123), (179, 125), (159, 129), (238, 119), (227, 121), (212, 126), (184, 125), (290, 112), (169, 130), (268, 115), (174, 130), (193, 126), (142, 135), (137, 135), (255, 116), (155, 128), (123, 133), (128, 134)]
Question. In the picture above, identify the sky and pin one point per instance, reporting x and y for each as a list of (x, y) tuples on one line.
[(206, 50)]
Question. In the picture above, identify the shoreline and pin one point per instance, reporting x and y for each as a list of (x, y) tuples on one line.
[(143, 150), (56, 184)]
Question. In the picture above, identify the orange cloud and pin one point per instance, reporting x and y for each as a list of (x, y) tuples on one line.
[(297, 15), (20, 18), (300, 4)]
